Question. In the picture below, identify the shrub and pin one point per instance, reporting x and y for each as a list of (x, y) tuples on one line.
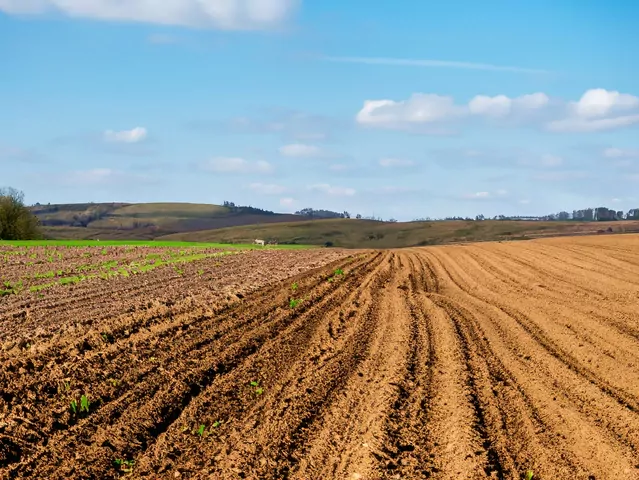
[(16, 220)]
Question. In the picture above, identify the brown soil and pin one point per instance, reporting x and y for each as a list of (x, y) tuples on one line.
[(458, 362)]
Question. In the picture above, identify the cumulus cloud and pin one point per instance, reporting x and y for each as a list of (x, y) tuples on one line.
[(549, 160), (393, 190), (485, 195), (236, 165), (477, 195), (267, 188), (301, 150), (222, 14), (599, 109), (102, 176), (134, 135), (395, 162), (596, 110), (287, 202), (338, 167), (332, 191), (419, 110), (613, 152)]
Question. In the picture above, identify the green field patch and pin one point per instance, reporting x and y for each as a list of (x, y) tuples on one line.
[(136, 243)]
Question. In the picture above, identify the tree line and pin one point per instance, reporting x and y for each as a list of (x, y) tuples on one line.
[(16, 220)]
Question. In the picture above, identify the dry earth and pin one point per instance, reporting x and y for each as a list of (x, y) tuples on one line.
[(458, 362)]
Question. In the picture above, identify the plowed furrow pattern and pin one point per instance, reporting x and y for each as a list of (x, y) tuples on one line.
[(459, 362)]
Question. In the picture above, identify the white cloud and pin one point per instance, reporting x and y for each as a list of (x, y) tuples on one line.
[(267, 188), (395, 162), (223, 14), (485, 195), (549, 160), (562, 176), (620, 153), (406, 62), (332, 191), (392, 190), (338, 167), (134, 135), (419, 110), (301, 150), (478, 195), (597, 110), (524, 202), (236, 165), (101, 176), (287, 202)]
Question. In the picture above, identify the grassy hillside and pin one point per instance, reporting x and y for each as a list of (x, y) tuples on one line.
[(369, 234), (143, 220)]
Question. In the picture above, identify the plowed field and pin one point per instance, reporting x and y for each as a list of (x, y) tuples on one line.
[(458, 362)]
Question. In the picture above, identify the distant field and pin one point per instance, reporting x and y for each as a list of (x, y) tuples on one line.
[(351, 233), (215, 224), (140, 221), (144, 243)]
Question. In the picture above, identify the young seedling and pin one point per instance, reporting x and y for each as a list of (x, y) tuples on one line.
[(84, 404), (216, 423), (258, 390), (294, 286), (529, 475), (200, 431), (294, 303), (63, 387), (339, 272), (125, 466), (74, 407)]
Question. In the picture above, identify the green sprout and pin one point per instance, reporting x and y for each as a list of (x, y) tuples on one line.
[(124, 465), (294, 303), (294, 286), (74, 407), (529, 475), (216, 423), (200, 431), (258, 390), (84, 404)]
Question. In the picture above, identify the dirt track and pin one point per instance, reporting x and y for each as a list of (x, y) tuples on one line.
[(460, 362)]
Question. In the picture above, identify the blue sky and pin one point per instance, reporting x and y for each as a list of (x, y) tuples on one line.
[(395, 109)]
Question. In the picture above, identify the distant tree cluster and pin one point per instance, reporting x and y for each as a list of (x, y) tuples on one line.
[(246, 209), (312, 213), (599, 214), (16, 220)]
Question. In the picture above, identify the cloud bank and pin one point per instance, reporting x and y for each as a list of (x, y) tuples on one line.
[(221, 14), (596, 110)]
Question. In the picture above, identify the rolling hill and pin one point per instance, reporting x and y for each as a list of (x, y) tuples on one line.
[(351, 233), (145, 220), (216, 223)]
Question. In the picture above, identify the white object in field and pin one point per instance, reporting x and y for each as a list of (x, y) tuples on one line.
[(259, 242)]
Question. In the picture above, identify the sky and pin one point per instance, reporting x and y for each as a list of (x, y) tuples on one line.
[(402, 110)]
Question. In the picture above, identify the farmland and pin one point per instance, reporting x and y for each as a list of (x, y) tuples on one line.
[(491, 360)]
